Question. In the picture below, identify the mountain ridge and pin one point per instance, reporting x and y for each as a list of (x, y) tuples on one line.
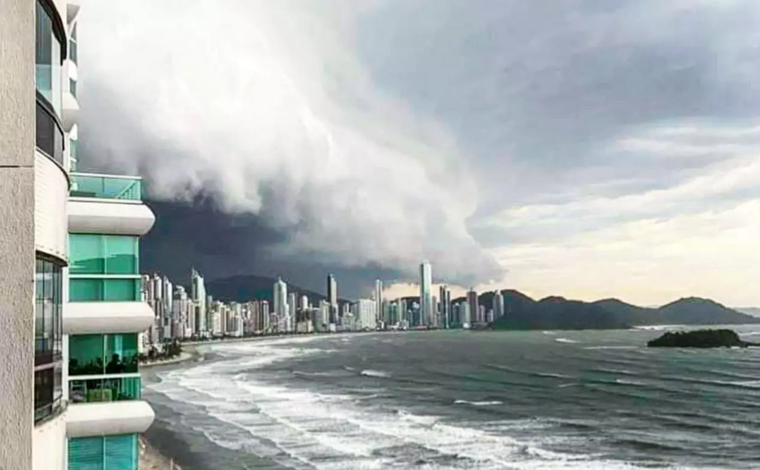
[(523, 312)]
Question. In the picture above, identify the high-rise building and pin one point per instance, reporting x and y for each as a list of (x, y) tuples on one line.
[(280, 297), (445, 306), (332, 297), (465, 314), (426, 307), (198, 295), (473, 307), (378, 297), (304, 303), (266, 317), (498, 305), (106, 312), (292, 308), (182, 323), (38, 132), (366, 314)]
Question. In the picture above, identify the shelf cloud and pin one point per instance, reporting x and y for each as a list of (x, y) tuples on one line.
[(548, 145)]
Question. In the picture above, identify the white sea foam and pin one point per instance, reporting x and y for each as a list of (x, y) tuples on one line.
[(573, 384), (478, 403), (611, 347), (565, 340), (553, 375), (375, 373), (299, 428), (628, 382)]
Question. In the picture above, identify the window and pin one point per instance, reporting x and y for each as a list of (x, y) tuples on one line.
[(103, 254), (102, 354), (73, 87), (73, 151), (104, 268), (48, 58), (101, 453), (48, 337), (104, 290), (105, 389)]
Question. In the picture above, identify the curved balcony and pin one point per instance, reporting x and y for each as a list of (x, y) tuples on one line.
[(82, 318), (108, 205), (108, 418)]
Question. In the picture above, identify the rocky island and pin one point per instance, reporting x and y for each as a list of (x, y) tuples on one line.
[(699, 339)]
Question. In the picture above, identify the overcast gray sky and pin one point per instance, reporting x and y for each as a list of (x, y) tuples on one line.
[(580, 148)]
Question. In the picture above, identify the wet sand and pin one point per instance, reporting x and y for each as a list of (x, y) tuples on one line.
[(152, 459)]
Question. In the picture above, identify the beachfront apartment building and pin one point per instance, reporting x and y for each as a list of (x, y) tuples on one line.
[(104, 318), (69, 295), (38, 113)]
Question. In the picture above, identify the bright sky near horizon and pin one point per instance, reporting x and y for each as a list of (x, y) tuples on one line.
[(582, 148)]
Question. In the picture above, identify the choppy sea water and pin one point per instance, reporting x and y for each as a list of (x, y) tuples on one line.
[(462, 400)]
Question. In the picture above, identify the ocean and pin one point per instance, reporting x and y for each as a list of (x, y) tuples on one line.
[(461, 400)]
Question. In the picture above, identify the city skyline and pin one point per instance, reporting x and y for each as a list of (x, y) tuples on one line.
[(180, 315)]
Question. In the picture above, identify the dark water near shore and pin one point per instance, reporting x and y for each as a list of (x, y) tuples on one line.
[(462, 400)]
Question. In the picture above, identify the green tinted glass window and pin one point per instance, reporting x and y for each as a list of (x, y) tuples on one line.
[(103, 354), (85, 254), (99, 289), (85, 290), (103, 254), (122, 290), (121, 255)]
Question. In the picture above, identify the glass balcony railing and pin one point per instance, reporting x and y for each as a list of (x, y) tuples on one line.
[(106, 187), (104, 389)]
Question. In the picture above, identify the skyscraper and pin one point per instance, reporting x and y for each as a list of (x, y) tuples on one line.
[(280, 297), (366, 314), (304, 303), (379, 300), (464, 314), (198, 295), (472, 306), (332, 297), (292, 308), (498, 305), (445, 306), (106, 312), (426, 300)]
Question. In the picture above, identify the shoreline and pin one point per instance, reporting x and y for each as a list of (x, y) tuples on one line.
[(152, 459), (184, 356)]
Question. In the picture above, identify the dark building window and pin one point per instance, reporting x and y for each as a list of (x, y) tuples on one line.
[(48, 337), (50, 51)]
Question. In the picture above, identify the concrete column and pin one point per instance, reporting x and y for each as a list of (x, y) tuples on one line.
[(17, 144)]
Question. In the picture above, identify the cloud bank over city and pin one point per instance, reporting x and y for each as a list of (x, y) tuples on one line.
[(579, 148), (264, 108)]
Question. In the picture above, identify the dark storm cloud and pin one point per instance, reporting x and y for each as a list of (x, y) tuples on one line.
[(482, 134), (197, 235)]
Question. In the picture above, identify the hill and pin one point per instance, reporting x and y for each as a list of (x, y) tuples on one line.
[(522, 312), (694, 310), (755, 312)]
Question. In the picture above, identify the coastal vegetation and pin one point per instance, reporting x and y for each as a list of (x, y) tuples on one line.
[(722, 338)]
